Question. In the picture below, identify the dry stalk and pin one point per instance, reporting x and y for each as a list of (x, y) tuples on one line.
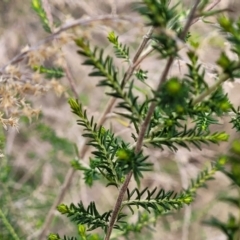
[(81, 21)]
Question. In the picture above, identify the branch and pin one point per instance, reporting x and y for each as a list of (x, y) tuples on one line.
[(210, 7), (135, 61), (22, 55), (71, 171), (224, 77), (71, 81), (144, 128)]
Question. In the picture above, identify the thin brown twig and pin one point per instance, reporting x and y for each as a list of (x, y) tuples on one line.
[(209, 8), (142, 46), (144, 126), (138, 148), (143, 56), (213, 5), (66, 67), (222, 78), (136, 61), (70, 80), (137, 55), (19, 57), (69, 177), (189, 20)]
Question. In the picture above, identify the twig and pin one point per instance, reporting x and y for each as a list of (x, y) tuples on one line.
[(138, 148), (210, 7), (71, 171), (110, 17), (143, 129), (224, 77), (213, 5), (71, 81), (69, 76), (189, 20), (135, 61), (114, 7)]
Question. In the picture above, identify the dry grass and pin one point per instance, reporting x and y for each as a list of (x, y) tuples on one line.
[(38, 169)]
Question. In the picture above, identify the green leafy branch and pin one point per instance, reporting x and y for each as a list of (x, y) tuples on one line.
[(105, 143), (160, 201), (114, 158), (91, 173), (104, 68), (195, 76), (82, 232), (37, 7), (121, 51), (159, 13), (50, 72), (53, 236), (88, 216), (193, 136), (206, 175)]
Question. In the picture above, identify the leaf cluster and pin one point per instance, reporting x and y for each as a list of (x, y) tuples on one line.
[(158, 201), (109, 74), (89, 216), (113, 157), (54, 72)]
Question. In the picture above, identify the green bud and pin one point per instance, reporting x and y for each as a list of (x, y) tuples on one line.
[(123, 154), (169, 122), (102, 130), (62, 208), (36, 4), (224, 106), (173, 86), (187, 199), (73, 103), (53, 236), (179, 109), (94, 237), (222, 160), (112, 38), (82, 230), (222, 137), (122, 179)]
